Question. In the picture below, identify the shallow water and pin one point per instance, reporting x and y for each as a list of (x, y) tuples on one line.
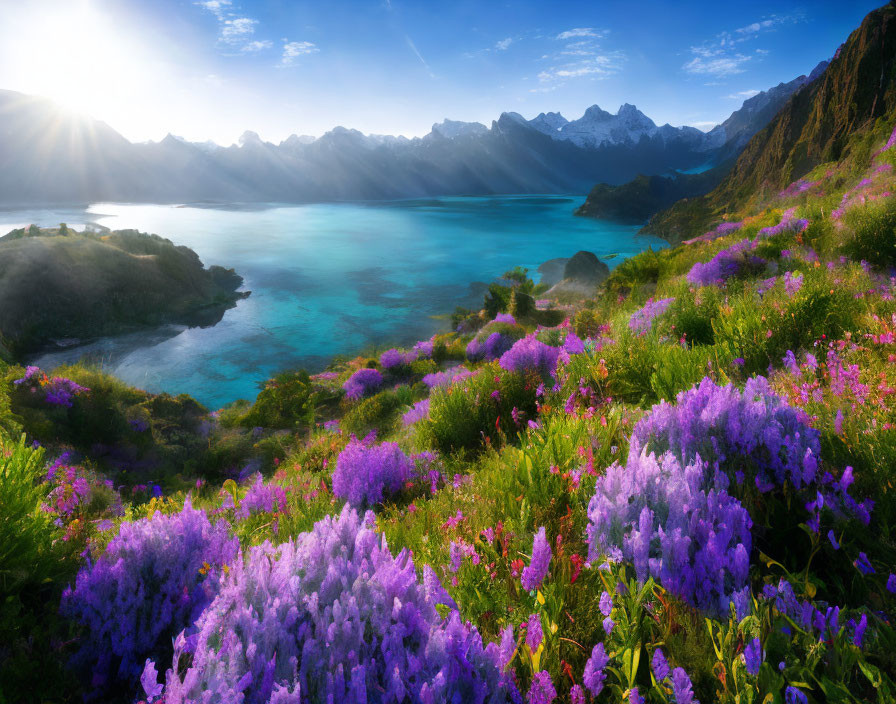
[(329, 279)]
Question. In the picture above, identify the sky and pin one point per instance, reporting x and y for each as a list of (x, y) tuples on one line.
[(212, 69)]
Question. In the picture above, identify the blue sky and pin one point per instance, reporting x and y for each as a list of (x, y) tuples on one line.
[(210, 69)]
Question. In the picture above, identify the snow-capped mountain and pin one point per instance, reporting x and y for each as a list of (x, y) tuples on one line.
[(455, 128), (545, 154)]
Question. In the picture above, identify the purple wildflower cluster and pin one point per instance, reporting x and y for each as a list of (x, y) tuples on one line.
[(362, 382), (788, 224), (657, 514), (334, 617), (800, 186), (823, 623), (531, 354), (449, 376), (752, 434), (418, 412), (365, 474), (720, 230), (505, 318), (392, 359), (57, 390), (262, 498), (155, 578), (642, 320), (424, 349), (734, 261), (489, 348), (792, 283)]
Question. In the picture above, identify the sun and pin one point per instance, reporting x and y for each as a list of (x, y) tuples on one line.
[(82, 58)]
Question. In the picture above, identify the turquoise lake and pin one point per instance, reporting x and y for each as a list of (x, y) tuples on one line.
[(329, 279)]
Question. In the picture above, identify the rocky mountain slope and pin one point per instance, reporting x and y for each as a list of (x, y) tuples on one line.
[(644, 196), (826, 121)]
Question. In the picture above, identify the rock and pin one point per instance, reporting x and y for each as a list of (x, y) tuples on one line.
[(584, 267), (552, 271)]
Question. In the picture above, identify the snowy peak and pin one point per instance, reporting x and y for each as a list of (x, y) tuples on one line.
[(548, 122), (597, 127), (456, 128)]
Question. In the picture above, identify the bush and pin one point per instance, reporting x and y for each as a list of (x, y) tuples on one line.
[(154, 579), (334, 617), (378, 412), (874, 233), (485, 408), (288, 400)]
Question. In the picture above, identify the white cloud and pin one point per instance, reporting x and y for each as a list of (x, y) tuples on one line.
[(705, 125), (721, 57), (719, 65), (256, 46), (215, 6), (581, 32), (237, 28), (743, 94), (503, 44), (595, 66), (293, 50)]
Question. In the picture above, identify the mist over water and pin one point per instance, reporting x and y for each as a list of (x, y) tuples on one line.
[(329, 279)]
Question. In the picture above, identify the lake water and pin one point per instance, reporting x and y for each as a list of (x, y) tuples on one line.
[(329, 279)]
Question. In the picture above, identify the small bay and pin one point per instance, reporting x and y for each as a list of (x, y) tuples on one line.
[(328, 279)]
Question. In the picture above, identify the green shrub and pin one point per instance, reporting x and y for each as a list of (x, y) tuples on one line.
[(379, 412), (873, 233), (287, 401), (479, 410)]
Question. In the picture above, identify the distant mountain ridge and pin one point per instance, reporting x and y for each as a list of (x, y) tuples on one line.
[(645, 195), (50, 156), (821, 123)]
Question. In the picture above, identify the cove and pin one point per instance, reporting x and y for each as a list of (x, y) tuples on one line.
[(329, 279)]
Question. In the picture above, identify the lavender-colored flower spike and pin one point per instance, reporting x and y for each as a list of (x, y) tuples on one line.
[(534, 574), (594, 675)]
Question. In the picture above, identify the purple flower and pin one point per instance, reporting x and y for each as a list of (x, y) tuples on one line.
[(534, 634), (792, 695), (608, 624), (338, 618), (634, 696), (505, 318), (833, 539), (149, 680), (753, 656), (390, 359), (490, 348), (642, 320), (153, 580), (863, 565), (542, 690), (418, 412), (576, 694), (891, 584), (362, 382), (732, 262), (606, 603), (681, 687), (531, 354), (534, 574), (858, 630), (594, 675), (262, 498), (659, 665), (365, 475), (792, 283)]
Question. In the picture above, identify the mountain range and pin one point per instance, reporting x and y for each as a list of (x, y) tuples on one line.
[(834, 118), (48, 155)]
